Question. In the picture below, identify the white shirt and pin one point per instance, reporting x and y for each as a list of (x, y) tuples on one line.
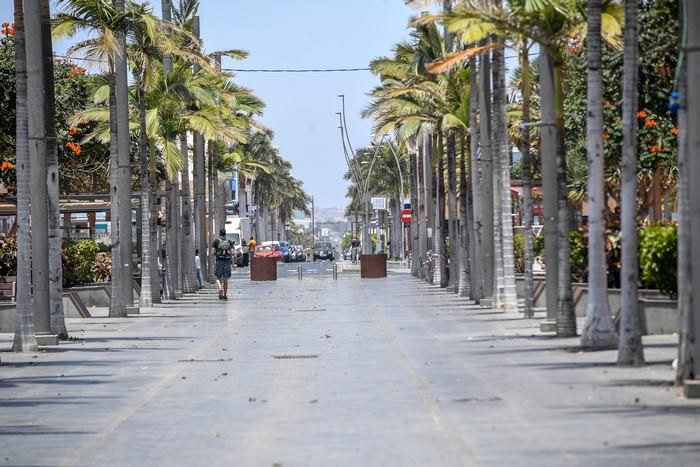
[(197, 264)]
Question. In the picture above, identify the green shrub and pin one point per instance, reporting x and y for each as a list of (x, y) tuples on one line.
[(578, 255), (658, 257), (79, 260), (8, 255), (519, 250)]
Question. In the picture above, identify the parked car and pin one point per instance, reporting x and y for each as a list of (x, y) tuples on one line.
[(299, 254), (268, 250), (286, 249), (324, 250)]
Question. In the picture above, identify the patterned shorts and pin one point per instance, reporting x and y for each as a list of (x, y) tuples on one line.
[(222, 269)]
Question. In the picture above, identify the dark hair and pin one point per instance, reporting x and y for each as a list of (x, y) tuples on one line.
[(222, 232), (196, 251)]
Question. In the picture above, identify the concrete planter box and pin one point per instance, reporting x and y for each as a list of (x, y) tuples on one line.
[(659, 314), (372, 266), (263, 269)]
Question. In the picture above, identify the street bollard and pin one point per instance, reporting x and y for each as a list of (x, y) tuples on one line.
[(300, 271), (335, 271)]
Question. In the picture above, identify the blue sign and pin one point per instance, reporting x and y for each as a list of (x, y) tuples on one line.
[(407, 205)]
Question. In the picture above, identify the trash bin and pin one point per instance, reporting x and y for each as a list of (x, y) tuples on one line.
[(263, 269), (372, 266)]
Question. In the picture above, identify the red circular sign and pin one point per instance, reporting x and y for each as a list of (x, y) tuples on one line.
[(406, 215)]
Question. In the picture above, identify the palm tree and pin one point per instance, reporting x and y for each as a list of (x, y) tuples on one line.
[(598, 330), (57, 319), (477, 269), (37, 153), (548, 24), (123, 171), (630, 350), (24, 339), (692, 13), (527, 180), (486, 157), (109, 22)]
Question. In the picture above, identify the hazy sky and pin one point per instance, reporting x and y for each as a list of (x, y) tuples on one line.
[(301, 108)]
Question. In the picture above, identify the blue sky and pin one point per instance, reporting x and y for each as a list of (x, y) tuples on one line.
[(301, 108)]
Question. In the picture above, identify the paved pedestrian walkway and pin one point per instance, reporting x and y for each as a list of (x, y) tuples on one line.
[(346, 372)]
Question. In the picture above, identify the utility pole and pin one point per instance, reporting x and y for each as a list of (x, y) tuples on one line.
[(313, 228)]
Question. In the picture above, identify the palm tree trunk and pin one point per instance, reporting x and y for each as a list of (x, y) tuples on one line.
[(487, 238), (189, 278), (428, 182), (24, 339), (57, 318), (502, 153), (566, 316), (421, 211), (146, 295), (153, 226), (549, 141), (117, 308), (693, 130), (172, 245), (598, 330), (37, 154), (477, 263), (211, 217), (441, 203), (172, 270), (452, 226), (123, 167), (439, 212), (527, 184), (464, 281), (498, 285), (686, 319), (198, 166), (630, 351), (414, 228)]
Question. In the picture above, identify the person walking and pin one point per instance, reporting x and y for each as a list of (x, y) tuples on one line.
[(198, 268), (251, 249), (222, 249)]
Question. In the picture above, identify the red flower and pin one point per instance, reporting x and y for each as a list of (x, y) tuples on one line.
[(641, 114), (675, 131), (5, 165), (655, 149), (72, 131), (650, 123), (74, 147)]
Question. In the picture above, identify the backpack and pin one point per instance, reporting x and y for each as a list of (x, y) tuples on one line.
[(223, 250)]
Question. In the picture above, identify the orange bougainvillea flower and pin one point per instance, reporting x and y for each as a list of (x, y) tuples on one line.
[(655, 149), (675, 131), (74, 147), (72, 131), (641, 114), (6, 166), (650, 123), (77, 70), (606, 136)]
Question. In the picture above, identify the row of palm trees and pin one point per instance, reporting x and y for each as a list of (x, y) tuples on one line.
[(178, 102), (443, 96)]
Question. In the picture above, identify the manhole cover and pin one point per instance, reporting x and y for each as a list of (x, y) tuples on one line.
[(294, 357)]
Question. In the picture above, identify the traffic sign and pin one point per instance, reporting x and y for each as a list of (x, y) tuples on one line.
[(406, 215)]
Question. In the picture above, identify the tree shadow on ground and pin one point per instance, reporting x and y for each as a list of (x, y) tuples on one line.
[(24, 430)]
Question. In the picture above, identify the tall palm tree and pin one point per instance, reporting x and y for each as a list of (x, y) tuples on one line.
[(57, 319), (38, 145), (693, 144), (123, 170), (549, 24), (24, 339), (476, 190), (598, 329), (527, 181), (109, 23), (630, 350)]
